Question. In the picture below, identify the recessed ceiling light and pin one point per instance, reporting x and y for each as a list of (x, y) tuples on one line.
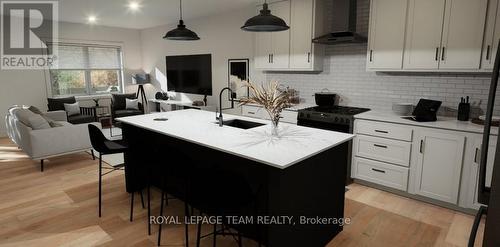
[(91, 19), (134, 6)]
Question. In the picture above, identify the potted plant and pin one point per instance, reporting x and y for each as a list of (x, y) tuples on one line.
[(271, 97)]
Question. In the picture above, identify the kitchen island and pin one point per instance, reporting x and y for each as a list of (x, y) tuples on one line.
[(301, 173)]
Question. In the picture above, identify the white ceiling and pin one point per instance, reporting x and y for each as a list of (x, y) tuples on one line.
[(152, 12)]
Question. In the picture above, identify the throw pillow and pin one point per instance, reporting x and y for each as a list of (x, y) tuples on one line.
[(35, 110), (57, 104), (118, 100), (24, 115), (132, 104), (51, 122), (72, 109), (37, 122)]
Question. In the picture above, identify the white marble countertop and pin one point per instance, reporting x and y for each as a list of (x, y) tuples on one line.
[(295, 143), (447, 123)]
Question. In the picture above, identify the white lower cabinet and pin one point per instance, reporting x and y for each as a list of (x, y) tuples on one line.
[(254, 111), (381, 173), (387, 150), (471, 177), (381, 153), (438, 164)]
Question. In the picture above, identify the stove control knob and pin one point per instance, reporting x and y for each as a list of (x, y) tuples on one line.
[(336, 119)]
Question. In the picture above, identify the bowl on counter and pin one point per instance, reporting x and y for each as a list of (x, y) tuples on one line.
[(402, 109)]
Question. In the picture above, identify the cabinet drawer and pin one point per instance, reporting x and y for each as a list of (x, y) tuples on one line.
[(387, 150), (251, 111), (289, 116), (381, 173), (387, 130)]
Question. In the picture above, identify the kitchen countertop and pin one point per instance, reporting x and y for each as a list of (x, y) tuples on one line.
[(448, 123), (295, 144)]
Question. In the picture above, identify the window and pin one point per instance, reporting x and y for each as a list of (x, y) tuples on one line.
[(86, 70)]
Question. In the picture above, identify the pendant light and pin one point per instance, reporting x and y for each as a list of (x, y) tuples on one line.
[(265, 22), (181, 32)]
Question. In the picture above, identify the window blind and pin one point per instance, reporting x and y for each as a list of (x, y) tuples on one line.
[(104, 58), (80, 57)]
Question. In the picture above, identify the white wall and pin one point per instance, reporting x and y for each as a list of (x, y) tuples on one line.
[(220, 35), (28, 87)]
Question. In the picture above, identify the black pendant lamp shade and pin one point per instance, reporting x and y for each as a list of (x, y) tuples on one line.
[(181, 32), (265, 22)]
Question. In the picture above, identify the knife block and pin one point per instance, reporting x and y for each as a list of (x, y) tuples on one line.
[(463, 111)]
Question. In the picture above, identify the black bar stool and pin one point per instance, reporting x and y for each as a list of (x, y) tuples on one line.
[(218, 192), (182, 193), (105, 147), (174, 180)]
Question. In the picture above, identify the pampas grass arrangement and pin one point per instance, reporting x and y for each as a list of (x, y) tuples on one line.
[(271, 97)]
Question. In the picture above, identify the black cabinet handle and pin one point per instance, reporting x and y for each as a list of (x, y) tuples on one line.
[(382, 131), (251, 112), (421, 146), (488, 52), (377, 170), (442, 53), (272, 58), (379, 146), (475, 155), (269, 58), (437, 54), (371, 55), (308, 57)]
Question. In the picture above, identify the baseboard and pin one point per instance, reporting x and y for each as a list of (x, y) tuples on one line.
[(417, 197)]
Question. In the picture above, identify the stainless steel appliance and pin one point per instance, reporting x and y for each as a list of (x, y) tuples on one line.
[(335, 118), (489, 196), (343, 28)]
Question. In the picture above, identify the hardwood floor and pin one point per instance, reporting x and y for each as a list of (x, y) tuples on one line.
[(59, 208)]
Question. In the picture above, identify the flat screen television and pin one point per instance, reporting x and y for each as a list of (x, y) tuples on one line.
[(190, 74)]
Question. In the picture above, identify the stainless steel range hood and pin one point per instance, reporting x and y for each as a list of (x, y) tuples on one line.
[(344, 17)]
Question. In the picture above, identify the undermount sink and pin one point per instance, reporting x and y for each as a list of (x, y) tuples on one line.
[(242, 124)]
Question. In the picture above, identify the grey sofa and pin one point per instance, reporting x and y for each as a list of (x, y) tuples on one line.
[(40, 144)]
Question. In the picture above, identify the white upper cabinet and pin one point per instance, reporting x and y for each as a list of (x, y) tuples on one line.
[(387, 34), (439, 164), (271, 48), (292, 50), (423, 34), (491, 36), (305, 24), (280, 55), (463, 30), (262, 57), (438, 35)]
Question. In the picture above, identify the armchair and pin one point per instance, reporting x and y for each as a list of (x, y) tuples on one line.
[(118, 106), (87, 114)]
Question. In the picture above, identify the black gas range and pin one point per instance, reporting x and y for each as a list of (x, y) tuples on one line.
[(336, 118)]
